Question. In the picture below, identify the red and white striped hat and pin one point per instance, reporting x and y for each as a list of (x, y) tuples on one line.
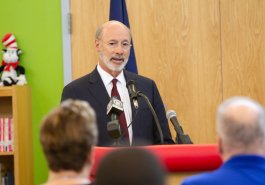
[(9, 41)]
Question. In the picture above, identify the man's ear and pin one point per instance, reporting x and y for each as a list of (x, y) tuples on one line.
[(97, 45)]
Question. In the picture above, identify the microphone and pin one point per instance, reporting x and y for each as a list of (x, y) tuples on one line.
[(133, 92), (114, 109), (133, 95), (181, 138)]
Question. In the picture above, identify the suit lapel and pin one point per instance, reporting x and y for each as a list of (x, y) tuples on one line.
[(97, 89)]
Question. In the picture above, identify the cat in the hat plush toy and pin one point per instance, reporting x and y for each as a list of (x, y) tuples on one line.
[(12, 72)]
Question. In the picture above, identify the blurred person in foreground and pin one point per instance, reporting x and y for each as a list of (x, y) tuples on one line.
[(130, 166), (241, 133), (68, 135)]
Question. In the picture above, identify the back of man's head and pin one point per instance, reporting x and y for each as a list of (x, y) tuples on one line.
[(241, 126), (68, 134), (130, 166)]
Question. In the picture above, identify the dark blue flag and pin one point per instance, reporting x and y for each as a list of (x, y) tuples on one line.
[(118, 12)]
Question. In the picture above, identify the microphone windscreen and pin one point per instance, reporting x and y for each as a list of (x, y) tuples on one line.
[(170, 114), (115, 105), (132, 88), (130, 82)]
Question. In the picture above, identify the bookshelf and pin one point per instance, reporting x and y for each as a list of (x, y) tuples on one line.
[(15, 102)]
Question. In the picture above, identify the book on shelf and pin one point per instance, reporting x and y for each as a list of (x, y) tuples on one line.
[(6, 175), (6, 134)]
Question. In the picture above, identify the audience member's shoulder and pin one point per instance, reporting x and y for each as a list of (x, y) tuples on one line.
[(200, 179), (216, 177)]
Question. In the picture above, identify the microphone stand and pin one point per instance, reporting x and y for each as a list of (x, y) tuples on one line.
[(154, 115), (114, 131), (183, 139)]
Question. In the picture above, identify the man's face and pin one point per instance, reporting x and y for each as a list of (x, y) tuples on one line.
[(114, 48)]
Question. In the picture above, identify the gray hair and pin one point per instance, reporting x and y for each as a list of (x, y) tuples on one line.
[(241, 123), (99, 32)]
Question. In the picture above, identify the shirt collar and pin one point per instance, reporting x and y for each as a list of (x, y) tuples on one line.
[(107, 78)]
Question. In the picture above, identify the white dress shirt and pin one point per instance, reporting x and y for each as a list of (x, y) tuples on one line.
[(124, 94)]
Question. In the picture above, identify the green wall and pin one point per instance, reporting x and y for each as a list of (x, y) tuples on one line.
[(36, 25)]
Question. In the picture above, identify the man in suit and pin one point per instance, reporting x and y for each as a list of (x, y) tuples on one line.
[(113, 43), (241, 132)]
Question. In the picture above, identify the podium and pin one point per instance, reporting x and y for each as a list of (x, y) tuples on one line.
[(179, 160)]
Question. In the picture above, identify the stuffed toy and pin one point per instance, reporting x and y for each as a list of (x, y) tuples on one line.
[(11, 72)]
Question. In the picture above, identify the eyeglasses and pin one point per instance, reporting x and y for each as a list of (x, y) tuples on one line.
[(114, 44)]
